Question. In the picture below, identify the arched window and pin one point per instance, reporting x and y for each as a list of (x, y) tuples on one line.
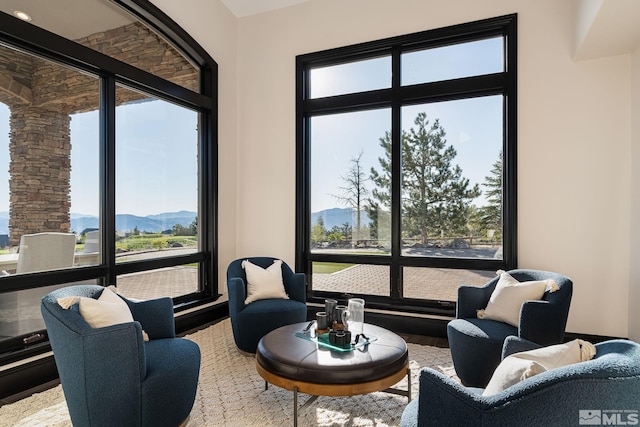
[(112, 139)]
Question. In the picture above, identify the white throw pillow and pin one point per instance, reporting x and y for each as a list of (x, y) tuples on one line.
[(109, 309), (520, 366), (511, 371), (509, 294), (264, 283)]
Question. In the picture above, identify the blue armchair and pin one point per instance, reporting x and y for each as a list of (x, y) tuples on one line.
[(556, 397), (110, 376), (250, 322), (476, 344)]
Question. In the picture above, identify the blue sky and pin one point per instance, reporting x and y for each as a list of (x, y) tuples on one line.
[(473, 126), (156, 155)]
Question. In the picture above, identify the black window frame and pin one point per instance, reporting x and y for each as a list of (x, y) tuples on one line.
[(503, 83), (112, 72)]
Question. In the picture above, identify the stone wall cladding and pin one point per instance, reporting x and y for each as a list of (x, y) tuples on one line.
[(39, 172), (135, 44)]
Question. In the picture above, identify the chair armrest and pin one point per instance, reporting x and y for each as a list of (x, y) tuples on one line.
[(542, 322), (442, 400), (471, 299), (296, 287), (237, 295), (155, 316), (115, 354), (513, 344)]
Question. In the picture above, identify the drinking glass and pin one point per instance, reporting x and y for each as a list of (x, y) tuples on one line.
[(355, 310)]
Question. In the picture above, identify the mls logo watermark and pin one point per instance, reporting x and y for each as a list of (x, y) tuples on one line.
[(608, 417)]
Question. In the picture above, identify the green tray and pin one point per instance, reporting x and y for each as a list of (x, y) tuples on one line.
[(323, 341)]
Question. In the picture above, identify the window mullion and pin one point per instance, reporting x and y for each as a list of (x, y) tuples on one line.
[(108, 175), (396, 178)]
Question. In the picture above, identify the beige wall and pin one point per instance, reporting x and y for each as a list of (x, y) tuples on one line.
[(574, 131), (212, 25)]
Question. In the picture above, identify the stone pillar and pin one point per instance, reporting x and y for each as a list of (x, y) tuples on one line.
[(40, 172)]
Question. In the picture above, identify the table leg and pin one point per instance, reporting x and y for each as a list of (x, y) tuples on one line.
[(295, 406), (296, 410), (401, 392)]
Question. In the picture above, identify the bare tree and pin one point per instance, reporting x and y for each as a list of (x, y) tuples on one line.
[(354, 191)]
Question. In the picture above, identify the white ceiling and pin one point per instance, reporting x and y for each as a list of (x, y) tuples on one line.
[(603, 27), (78, 18), (241, 8), (606, 28), (70, 18)]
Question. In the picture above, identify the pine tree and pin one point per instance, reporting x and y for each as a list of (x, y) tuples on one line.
[(491, 214), (435, 195)]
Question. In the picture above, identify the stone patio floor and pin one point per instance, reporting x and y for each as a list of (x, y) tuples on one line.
[(420, 283)]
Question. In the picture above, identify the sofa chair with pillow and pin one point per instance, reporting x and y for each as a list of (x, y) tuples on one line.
[(119, 361), (603, 389), (264, 294), (531, 304)]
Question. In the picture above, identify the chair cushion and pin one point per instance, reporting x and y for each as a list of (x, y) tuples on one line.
[(263, 316), (476, 347), (520, 366), (509, 294), (471, 329), (264, 283)]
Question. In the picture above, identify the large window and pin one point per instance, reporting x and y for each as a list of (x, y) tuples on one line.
[(108, 154), (406, 164)]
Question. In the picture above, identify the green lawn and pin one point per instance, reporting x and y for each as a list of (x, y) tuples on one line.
[(329, 267), (142, 242), (154, 241)]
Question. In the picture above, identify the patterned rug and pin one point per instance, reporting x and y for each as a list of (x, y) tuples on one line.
[(231, 393)]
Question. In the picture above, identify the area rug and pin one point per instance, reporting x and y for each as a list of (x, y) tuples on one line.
[(231, 393)]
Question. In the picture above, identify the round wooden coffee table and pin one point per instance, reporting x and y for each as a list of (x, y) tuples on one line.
[(287, 359)]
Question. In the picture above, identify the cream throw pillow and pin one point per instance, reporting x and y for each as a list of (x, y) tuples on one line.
[(109, 309), (509, 294), (520, 366), (264, 283)]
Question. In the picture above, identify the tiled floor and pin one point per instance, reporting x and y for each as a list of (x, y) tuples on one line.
[(171, 282), (418, 282)]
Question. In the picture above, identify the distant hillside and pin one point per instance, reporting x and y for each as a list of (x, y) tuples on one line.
[(338, 216), (127, 222), (124, 222)]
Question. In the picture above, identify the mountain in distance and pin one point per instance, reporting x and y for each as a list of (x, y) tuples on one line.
[(338, 217), (166, 220), (127, 222), (124, 222)]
